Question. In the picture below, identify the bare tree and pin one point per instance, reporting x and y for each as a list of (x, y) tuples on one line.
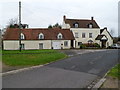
[(13, 23), (112, 32)]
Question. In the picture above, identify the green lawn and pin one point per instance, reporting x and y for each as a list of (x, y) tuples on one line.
[(115, 72), (28, 51), (41, 57)]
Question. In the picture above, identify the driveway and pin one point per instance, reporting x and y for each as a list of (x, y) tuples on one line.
[(78, 71)]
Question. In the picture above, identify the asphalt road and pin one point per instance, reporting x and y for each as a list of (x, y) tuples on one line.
[(78, 71)]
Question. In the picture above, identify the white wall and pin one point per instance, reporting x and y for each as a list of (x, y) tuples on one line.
[(33, 44), (95, 32), (110, 40), (62, 43), (11, 44), (65, 26)]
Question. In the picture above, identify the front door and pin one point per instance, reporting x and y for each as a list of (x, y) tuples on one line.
[(40, 45), (104, 44)]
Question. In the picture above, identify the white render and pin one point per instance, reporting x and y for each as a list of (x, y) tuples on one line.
[(110, 40), (33, 44), (95, 32)]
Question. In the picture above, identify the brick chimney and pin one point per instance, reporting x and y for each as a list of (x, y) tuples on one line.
[(64, 17), (92, 18)]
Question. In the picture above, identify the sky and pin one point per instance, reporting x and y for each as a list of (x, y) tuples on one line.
[(42, 13)]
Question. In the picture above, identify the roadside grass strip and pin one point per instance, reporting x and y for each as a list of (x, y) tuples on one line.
[(115, 72), (42, 57)]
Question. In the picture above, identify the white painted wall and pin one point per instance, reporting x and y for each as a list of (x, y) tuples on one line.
[(110, 40), (62, 43), (11, 44), (95, 32), (65, 26), (33, 44)]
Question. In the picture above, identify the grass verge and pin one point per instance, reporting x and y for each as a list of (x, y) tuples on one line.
[(115, 72), (41, 57)]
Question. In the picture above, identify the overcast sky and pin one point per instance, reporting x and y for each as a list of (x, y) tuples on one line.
[(41, 13)]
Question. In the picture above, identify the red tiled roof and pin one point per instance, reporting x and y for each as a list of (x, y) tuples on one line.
[(32, 34), (83, 23)]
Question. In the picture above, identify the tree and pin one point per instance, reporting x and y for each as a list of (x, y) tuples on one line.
[(13, 23), (112, 32), (50, 26), (55, 25)]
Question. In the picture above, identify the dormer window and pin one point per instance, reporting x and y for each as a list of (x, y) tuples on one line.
[(41, 36), (22, 36), (76, 25), (60, 36), (90, 26)]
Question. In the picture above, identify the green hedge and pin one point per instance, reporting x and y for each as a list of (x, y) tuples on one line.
[(91, 45)]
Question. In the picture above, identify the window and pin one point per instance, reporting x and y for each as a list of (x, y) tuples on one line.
[(40, 45), (22, 46), (41, 36), (83, 35), (66, 43), (90, 35), (76, 35), (90, 25), (79, 43), (59, 36), (76, 25), (22, 36)]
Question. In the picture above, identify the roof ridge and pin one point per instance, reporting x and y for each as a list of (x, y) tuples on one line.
[(79, 19)]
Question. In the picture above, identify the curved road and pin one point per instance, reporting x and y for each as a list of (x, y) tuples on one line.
[(78, 71)]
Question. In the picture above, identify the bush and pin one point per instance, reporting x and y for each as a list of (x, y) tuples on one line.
[(91, 45), (82, 46), (96, 45)]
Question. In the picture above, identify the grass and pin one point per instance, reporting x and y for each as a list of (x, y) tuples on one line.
[(115, 72), (28, 51), (41, 57)]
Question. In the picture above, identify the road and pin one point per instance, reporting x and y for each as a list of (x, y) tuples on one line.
[(78, 71)]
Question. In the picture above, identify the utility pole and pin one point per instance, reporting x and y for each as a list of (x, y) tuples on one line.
[(20, 26)]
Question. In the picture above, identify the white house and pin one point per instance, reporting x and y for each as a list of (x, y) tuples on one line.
[(38, 39), (87, 31), (74, 32)]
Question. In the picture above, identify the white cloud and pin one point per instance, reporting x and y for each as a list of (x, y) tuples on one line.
[(41, 13)]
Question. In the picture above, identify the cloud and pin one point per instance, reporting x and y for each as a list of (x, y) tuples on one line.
[(41, 13)]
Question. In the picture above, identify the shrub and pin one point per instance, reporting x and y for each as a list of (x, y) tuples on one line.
[(86, 45), (82, 46), (96, 45)]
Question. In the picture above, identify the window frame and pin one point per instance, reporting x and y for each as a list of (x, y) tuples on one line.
[(76, 25), (42, 45), (79, 43), (76, 35), (66, 43), (59, 36), (90, 35), (41, 34), (83, 35), (22, 36)]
